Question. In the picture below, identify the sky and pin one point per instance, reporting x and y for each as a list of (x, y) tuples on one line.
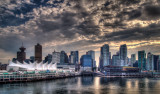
[(79, 25)]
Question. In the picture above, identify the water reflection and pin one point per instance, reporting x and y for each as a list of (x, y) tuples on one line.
[(85, 85)]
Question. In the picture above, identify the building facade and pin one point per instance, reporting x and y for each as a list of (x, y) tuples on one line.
[(133, 59), (86, 62), (21, 55), (56, 57), (38, 53), (123, 55), (105, 55), (150, 62), (142, 60), (92, 54), (63, 58), (74, 57)]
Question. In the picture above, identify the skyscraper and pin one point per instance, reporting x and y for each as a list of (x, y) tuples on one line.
[(149, 62), (142, 60), (92, 54), (21, 55), (105, 55), (155, 61), (86, 62), (63, 58), (115, 60), (56, 57), (74, 57), (123, 55), (38, 53), (133, 59)]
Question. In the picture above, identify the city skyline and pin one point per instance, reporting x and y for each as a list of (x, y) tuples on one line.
[(79, 25)]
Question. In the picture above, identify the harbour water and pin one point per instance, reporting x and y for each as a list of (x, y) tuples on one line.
[(85, 85)]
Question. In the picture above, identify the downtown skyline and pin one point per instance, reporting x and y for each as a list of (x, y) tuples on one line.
[(79, 25)]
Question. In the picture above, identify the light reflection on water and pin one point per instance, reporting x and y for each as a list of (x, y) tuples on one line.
[(86, 85)]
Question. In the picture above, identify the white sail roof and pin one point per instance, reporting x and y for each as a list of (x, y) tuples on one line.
[(34, 65)]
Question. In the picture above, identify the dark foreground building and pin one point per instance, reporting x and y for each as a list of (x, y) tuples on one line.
[(38, 53), (21, 55)]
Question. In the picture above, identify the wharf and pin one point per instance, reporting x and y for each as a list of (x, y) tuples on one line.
[(9, 78)]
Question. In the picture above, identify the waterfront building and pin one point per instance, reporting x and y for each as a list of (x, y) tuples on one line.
[(31, 66), (133, 59), (123, 55), (21, 55), (150, 62), (92, 54), (105, 55), (86, 62), (142, 60), (38, 53), (63, 58), (56, 57), (74, 57)]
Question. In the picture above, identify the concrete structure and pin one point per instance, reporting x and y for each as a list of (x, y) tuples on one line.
[(142, 60), (116, 59), (123, 55), (21, 55), (38, 53), (56, 57)]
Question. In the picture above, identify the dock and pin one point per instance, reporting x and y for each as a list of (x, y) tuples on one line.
[(10, 78)]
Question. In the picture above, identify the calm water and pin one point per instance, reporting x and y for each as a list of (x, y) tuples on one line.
[(85, 85)]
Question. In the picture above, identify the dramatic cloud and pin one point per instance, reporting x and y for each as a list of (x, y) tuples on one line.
[(79, 25)]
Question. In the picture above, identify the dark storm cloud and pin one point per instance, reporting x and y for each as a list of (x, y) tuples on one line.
[(152, 11), (76, 24), (129, 2), (7, 19), (149, 33)]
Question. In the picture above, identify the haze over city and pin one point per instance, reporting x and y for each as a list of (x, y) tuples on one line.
[(78, 25)]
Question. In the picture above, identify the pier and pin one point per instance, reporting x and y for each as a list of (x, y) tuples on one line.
[(28, 77)]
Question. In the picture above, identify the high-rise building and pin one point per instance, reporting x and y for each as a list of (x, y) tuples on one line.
[(142, 60), (92, 54), (133, 59), (115, 60), (21, 55), (56, 57), (63, 58), (155, 61), (86, 62), (123, 55), (149, 62), (38, 53), (74, 57), (105, 55)]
